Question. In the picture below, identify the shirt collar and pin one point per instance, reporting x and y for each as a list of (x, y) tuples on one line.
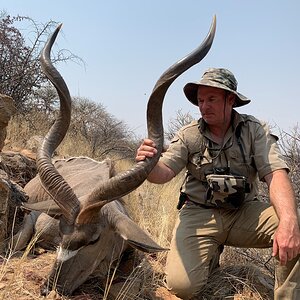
[(236, 119)]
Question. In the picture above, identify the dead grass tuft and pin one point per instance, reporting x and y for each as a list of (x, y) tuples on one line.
[(239, 282)]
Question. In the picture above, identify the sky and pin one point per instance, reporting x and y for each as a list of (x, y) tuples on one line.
[(127, 45)]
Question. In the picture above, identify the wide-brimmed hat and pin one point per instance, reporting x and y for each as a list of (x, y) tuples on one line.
[(219, 78)]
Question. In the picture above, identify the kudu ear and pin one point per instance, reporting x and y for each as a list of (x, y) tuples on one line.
[(48, 207), (135, 236)]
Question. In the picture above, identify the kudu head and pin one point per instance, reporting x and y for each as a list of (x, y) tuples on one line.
[(79, 222)]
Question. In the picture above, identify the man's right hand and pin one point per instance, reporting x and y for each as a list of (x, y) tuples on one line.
[(160, 173), (147, 149)]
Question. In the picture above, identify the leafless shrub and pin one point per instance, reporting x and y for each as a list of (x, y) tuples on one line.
[(102, 132), (21, 40), (93, 131), (290, 147), (181, 119)]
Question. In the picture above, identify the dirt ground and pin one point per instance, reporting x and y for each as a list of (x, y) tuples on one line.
[(21, 277)]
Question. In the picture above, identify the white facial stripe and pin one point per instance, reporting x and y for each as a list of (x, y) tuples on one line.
[(64, 254)]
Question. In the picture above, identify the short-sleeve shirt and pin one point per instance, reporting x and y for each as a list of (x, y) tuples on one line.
[(249, 149)]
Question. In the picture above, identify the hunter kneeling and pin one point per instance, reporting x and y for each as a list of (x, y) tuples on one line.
[(225, 154)]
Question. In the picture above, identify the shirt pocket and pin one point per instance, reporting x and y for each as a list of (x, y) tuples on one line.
[(199, 165), (242, 167)]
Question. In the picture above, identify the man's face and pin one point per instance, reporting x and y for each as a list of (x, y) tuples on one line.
[(213, 107)]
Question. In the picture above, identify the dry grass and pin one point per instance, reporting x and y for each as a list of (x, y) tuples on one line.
[(154, 209), (243, 274), (239, 282), (20, 277), (22, 274)]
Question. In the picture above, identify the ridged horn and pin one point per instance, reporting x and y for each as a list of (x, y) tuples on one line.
[(52, 181), (129, 180)]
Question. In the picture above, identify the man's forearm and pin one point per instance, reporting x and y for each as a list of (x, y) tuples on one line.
[(161, 174), (282, 196), (286, 239)]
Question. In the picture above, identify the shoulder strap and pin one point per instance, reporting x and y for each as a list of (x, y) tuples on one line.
[(238, 139)]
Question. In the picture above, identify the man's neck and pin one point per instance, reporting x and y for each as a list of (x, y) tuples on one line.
[(218, 132)]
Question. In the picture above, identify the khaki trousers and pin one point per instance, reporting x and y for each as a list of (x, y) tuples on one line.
[(199, 233)]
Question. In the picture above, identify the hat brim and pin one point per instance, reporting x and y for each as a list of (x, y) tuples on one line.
[(191, 91)]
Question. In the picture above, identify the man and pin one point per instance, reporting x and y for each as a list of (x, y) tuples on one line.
[(225, 154)]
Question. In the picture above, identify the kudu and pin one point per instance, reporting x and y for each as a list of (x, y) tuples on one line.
[(91, 227)]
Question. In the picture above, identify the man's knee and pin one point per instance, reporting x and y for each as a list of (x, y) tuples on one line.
[(182, 288), (186, 287)]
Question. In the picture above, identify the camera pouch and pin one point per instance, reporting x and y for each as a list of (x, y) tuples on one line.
[(225, 191)]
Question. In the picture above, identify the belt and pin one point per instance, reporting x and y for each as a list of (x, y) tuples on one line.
[(188, 201), (184, 199)]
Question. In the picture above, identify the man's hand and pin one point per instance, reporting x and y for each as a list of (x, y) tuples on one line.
[(160, 173), (286, 242), (147, 149)]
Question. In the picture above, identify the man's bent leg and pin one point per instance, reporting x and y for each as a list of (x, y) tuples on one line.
[(255, 228), (287, 279), (287, 284), (195, 250)]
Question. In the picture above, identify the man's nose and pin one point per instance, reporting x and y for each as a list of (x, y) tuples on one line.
[(204, 105)]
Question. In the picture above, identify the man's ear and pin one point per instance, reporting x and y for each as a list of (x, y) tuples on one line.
[(232, 98)]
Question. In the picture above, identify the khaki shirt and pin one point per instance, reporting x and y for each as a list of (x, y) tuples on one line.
[(193, 148)]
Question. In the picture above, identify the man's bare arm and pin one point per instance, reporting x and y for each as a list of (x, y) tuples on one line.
[(286, 242)]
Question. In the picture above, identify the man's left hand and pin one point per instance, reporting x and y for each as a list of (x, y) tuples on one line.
[(286, 244)]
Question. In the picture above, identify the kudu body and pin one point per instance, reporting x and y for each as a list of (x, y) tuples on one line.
[(91, 226)]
